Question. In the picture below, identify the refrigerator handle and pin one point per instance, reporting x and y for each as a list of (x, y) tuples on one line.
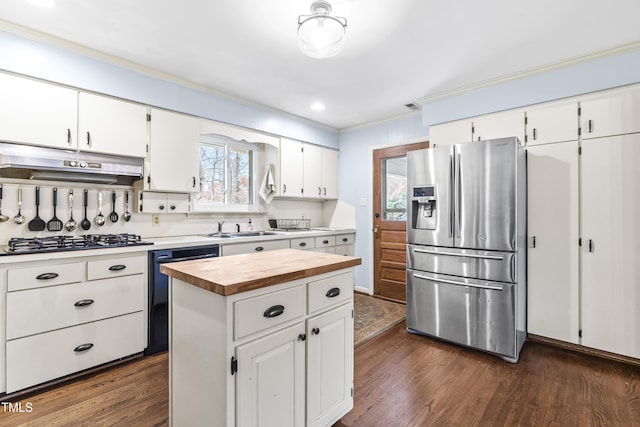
[(458, 194), (462, 255), (451, 200), (454, 282)]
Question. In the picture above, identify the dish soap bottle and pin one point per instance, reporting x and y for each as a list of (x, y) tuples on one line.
[(249, 226)]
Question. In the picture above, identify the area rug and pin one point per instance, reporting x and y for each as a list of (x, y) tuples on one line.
[(372, 316)]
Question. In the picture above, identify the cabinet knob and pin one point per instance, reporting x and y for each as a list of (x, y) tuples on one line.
[(161, 207), (172, 207), (302, 244), (326, 242), (315, 331), (259, 249), (302, 337)]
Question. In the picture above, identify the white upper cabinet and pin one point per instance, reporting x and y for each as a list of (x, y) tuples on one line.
[(610, 113), (553, 122), (37, 113), (174, 147), (307, 170), (329, 173), (499, 125), (450, 133), (111, 126), (552, 251), (291, 184)]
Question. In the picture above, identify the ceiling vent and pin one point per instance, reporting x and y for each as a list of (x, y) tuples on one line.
[(413, 106)]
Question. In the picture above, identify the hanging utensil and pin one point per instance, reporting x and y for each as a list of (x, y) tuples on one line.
[(71, 224), (54, 223), (37, 223), (126, 215), (99, 219), (85, 224), (19, 218), (113, 216), (3, 218)]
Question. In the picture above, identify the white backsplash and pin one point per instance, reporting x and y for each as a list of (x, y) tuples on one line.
[(320, 213)]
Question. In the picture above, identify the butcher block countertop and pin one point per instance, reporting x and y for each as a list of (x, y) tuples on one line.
[(240, 273)]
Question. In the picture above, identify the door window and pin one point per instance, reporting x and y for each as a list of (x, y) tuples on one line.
[(394, 188)]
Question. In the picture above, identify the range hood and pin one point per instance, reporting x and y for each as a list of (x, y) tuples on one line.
[(29, 162)]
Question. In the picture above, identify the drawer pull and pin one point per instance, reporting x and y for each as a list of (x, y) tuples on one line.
[(326, 242), (302, 244), (117, 267), (84, 303), (315, 331), (333, 292), (47, 276), (344, 239), (259, 249), (274, 311), (83, 347)]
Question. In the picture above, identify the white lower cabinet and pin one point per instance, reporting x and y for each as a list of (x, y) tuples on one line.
[(66, 316), (246, 248), (293, 373)]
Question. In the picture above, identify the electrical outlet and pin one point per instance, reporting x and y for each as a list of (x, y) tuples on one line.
[(155, 219), (363, 201)]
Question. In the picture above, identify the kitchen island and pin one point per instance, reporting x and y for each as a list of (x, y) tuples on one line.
[(264, 336)]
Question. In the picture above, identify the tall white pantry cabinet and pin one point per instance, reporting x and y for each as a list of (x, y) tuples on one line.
[(583, 210)]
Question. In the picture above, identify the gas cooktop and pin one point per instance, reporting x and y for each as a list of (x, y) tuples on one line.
[(34, 245)]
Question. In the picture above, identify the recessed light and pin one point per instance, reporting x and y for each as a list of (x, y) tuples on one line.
[(42, 3), (317, 106)]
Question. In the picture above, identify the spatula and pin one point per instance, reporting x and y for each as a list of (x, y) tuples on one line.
[(54, 223), (37, 223)]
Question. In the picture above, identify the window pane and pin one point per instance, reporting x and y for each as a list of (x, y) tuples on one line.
[(394, 189), (212, 157), (239, 175)]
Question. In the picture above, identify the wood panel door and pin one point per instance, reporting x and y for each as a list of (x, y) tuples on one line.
[(389, 220)]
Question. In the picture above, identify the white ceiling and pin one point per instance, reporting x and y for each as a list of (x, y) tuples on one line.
[(396, 51)]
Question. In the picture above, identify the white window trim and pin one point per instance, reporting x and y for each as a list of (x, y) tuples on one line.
[(255, 206)]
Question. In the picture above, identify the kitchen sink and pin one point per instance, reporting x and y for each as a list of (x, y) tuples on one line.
[(244, 234)]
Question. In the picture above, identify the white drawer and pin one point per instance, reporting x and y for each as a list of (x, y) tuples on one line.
[(245, 248), (303, 243), (104, 268), (346, 250), (325, 241), (43, 357), (39, 276), (327, 250), (345, 239), (255, 314), (328, 292), (39, 310)]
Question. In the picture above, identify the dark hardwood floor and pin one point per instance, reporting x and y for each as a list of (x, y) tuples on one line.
[(400, 380)]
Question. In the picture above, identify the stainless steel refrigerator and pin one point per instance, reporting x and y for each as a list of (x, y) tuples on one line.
[(466, 234)]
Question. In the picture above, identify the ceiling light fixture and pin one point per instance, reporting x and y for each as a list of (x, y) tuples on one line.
[(317, 106), (321, 35)]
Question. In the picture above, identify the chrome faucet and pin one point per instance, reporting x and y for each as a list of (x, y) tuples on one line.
[(220, 226)]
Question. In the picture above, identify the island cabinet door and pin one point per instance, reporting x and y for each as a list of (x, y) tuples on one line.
[(271, 379), (329, 366)]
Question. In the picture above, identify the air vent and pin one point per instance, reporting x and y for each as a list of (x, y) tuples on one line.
[(413, 106)]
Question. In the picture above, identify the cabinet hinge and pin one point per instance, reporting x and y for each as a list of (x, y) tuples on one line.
[(473, 129), (351, 391), (579, 150), (580, 333), (526, 138), (352, 314), (579, 131), (579, 111), (580, 241), (234, 365), (149, 179), (147, 148), (526, 120), (302, 149), (148, 117), (302, 190)]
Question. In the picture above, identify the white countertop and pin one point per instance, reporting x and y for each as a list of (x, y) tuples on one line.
[(160, 243)]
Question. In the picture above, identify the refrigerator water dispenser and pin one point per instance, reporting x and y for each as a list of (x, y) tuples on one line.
[(424, 205)]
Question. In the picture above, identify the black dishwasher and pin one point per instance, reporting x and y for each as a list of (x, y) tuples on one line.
[(158, 311)]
